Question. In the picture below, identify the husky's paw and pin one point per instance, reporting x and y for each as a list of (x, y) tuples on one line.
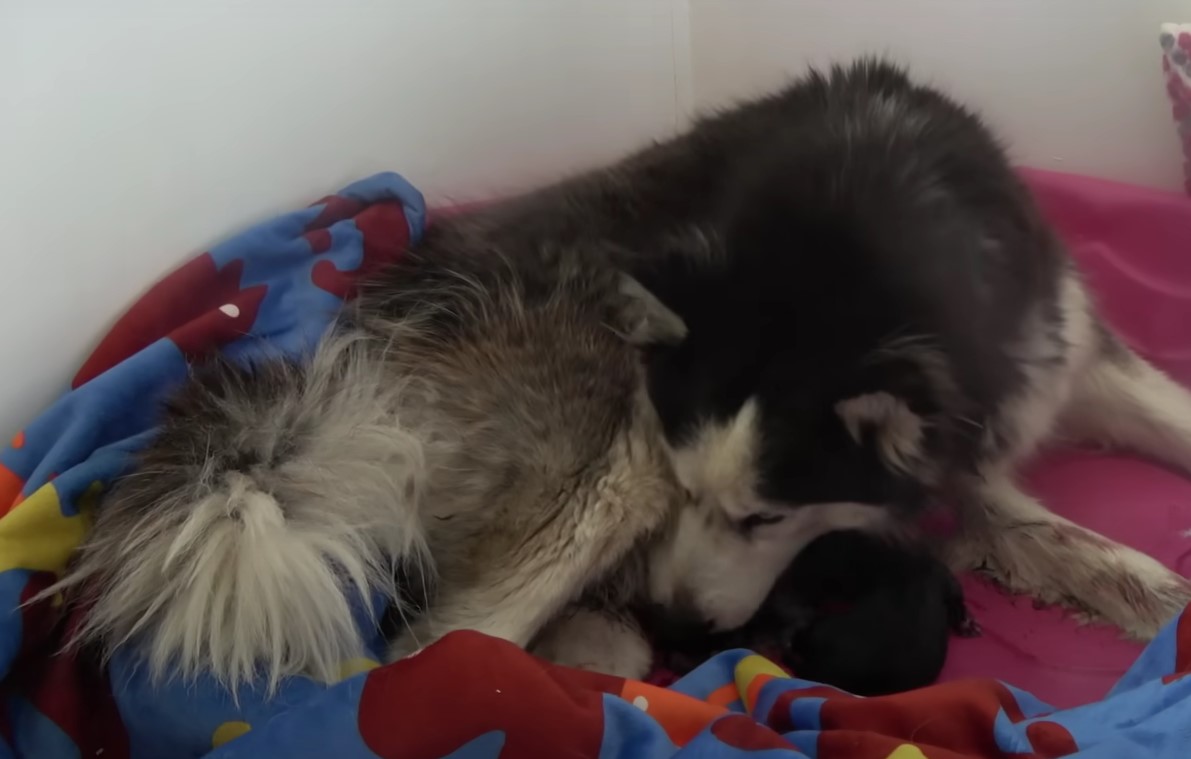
[(1147, 599), (1116, 584), (596, 641), (1064, 564)]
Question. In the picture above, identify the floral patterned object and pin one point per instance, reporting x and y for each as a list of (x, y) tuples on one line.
[(1176, 65)]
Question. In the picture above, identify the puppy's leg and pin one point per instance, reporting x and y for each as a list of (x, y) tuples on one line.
[(1121, 400), (1019, 543), (599, 640)]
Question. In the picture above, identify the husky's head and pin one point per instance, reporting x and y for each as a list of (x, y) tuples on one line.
[(770, 470), (782, 427)]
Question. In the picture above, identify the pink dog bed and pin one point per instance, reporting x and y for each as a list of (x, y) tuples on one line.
[(1134, 247)]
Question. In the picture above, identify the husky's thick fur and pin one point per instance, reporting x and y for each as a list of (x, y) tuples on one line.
[(484, 424), (879, 318), (876, 316)]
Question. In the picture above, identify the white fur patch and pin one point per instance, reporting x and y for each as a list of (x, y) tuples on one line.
[(706, 560), (1125, 402), (250, 573), (590, 640), (720, 461), (1027, 419)]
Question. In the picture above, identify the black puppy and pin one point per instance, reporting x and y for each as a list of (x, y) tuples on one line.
[(853, 611)]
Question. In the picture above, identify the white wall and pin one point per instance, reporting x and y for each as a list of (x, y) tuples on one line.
[(1072, 85), (133, 134)]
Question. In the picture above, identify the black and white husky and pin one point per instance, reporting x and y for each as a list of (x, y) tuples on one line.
[(845, 306)]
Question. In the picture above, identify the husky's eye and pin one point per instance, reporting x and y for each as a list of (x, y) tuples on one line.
[(753, 521)]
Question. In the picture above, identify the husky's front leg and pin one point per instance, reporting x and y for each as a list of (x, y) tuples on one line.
[(1017, 542)]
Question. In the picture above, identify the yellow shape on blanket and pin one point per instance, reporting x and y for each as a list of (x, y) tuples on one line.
[(906, 751), (353, 667), (36, 535), (90, 497), (749, 670), (228, 731)]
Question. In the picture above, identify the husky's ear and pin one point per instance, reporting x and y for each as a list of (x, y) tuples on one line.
[(644, 320), (898, 432), (905, 401)]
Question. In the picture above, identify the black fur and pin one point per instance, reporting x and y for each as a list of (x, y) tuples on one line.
[(879, 211), (854, 233), (883, 614), (796, 235), (853, 611)]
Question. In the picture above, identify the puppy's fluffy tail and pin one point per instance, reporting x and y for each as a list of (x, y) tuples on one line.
[(272, 501)]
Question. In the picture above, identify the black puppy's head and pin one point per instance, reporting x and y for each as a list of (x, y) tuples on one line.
[(853, 610), (885, 612)]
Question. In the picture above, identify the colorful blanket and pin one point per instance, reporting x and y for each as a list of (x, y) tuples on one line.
[(482, 698), (276, 287)]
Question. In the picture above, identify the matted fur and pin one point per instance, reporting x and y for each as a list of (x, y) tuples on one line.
[(857, 237), (483, 421), (273, 497)]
